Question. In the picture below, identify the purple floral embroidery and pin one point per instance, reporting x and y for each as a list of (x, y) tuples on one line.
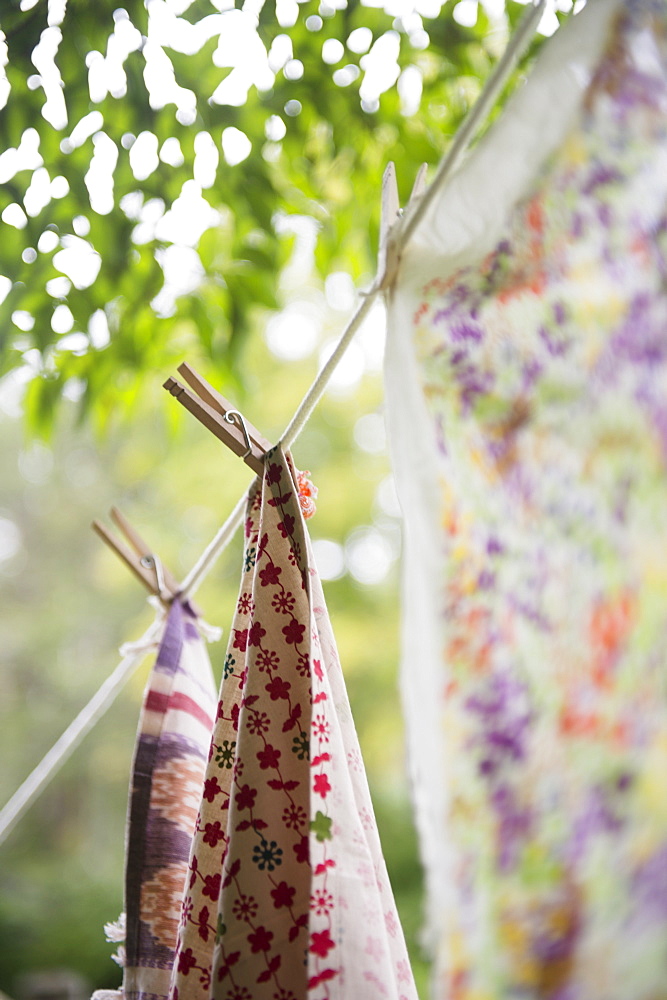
[(544, 371)]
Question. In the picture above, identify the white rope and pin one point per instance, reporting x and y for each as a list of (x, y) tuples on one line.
[(98, 705), (214, 549), (41, 775), (316, 391), (480, 111), (404, 231), (210, 554)]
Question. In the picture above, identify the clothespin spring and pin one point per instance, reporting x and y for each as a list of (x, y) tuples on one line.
[(152, 561), (232, 416)]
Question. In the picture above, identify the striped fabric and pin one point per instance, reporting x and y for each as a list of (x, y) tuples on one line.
[(170, 759)]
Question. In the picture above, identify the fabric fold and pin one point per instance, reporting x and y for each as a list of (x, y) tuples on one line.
[(288, 893)]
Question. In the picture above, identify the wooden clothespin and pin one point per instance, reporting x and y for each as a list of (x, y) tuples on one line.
[(139, 558), (220, 416), (389, 250)]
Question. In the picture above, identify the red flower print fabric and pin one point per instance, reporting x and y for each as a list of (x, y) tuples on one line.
[(167, 775), (288, 896)]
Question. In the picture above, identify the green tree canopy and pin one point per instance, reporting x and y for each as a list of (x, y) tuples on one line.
[(157, 161)]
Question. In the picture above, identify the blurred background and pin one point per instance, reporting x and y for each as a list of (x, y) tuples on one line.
[(189, 181)]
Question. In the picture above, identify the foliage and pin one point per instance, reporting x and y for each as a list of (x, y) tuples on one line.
[(89, 87)]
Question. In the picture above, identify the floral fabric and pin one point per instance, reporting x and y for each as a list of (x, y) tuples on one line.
[(170, 758), (288, 895), (535, 369)]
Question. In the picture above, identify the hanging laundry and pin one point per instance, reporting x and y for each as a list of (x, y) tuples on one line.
[(288, 894), (527, 396), (168, 771)]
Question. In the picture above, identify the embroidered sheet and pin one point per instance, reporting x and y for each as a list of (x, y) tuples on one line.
[(527, 386)]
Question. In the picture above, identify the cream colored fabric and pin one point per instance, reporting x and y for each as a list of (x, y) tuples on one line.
[(288, 893)]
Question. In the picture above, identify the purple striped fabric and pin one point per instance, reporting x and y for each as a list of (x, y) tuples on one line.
[(167, 775)]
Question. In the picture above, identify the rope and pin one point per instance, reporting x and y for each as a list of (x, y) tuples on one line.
[(214, 549), (316, 391), (210, 554), (404, 230), (63, 748), (475, 119)]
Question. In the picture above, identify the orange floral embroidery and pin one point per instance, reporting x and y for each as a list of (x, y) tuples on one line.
[(161, 903), (611, 621), (307, 493), (176, 791)]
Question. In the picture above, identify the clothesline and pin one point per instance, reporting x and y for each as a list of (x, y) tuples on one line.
[(212, 552), (404, 229), (63, 748), (400, 234)]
